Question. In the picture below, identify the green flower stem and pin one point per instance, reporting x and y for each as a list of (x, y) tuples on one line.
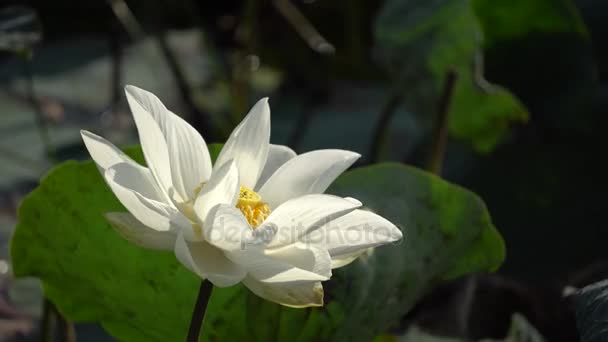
[(50, 315), (67, 331), (46, 322), (384, 119), (304, 27), (440, 132), (198, 315), (50, 318)]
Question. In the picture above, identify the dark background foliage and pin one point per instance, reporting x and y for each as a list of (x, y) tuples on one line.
[(527, 129)]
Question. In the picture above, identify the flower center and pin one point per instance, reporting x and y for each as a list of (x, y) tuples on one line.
[(251, 205)]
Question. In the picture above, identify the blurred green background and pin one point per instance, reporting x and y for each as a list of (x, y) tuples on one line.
[(527, 115)]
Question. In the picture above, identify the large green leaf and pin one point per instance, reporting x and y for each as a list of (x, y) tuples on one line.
[(92, 274), (511, 19), (420, 41), (592, 312)]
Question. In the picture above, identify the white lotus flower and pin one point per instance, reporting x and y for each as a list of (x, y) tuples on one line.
[(258, 216)]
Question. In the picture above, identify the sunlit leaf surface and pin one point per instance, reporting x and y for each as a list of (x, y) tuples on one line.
[(92, 274)]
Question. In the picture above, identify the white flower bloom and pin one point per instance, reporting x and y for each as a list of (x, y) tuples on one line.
[(258, 216)]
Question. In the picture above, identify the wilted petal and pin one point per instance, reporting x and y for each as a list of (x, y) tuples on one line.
[(277, 156), (248, 144), (222, 188), (292, 294), (300, 216), (308, 173), (350, 235), (128, 184), (208, 262), (187, 150), (131, 229)]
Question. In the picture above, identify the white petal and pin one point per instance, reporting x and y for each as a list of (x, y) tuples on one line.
[(307, 257), (103, 152), (277, 156), (248, 144), (267, 269), (350, 235), (308, 173), (107, 155), (134, 231), (222, 188), (127, 183), (187, 150), (151, 137), (227, 228), (208, 262), (263, 235), (346, 260), (294, 294), (298, 217)]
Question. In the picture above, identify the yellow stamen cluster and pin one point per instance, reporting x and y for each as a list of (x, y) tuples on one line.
[(252, 207)]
